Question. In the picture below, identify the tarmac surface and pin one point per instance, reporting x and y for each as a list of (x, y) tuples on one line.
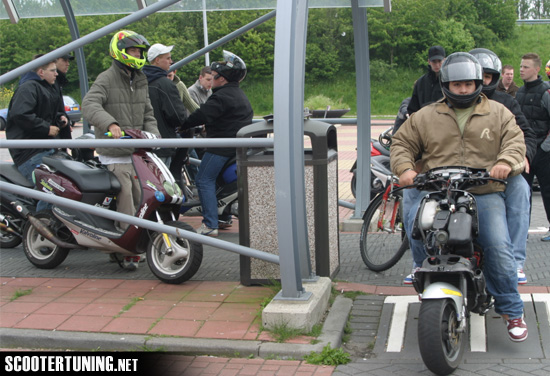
[(89, 304)]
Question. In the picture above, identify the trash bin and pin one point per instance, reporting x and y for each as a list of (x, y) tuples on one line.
[(257, 212)]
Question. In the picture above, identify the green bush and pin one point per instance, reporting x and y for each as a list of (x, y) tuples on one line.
[(321, 102)]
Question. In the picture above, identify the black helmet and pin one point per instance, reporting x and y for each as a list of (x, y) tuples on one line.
[(232, 67), (461, 66), (491, 64)]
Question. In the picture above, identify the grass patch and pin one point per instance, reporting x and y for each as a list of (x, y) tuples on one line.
[(129, 305), (19, 293), (328, 357)]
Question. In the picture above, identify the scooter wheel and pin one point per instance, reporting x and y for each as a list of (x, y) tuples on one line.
[(441, 344), (179, 264), (41, 252), (8, 239)]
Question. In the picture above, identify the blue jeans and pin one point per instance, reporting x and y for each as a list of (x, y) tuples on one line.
[(517, 198), (28, 167), (499, 265), (211, 165)]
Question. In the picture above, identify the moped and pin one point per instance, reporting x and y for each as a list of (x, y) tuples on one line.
[(49, 235), (450, 283)]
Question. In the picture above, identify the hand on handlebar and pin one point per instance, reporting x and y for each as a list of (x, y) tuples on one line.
[(500, 171), (407, 178), (114, 131)]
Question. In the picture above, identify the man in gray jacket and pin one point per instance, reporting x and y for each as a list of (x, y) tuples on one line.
[(119, 100)]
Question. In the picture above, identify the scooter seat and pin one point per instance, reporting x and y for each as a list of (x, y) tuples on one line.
[(87, 178), (9, 171)]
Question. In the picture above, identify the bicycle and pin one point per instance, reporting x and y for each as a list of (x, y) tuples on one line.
[(383, 240)]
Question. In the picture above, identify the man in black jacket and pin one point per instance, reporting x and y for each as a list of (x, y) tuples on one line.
[(427, 88), (35, 112), (534, 99), (165, 99), (224, 113)]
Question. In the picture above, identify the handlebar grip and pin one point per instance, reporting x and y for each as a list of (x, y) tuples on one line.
[(109, 134)]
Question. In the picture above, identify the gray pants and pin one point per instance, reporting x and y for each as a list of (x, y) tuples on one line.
[(129, 197)]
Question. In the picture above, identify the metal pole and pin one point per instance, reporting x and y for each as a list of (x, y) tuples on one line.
[(79, 53), (111, 28), (360, 31), (116, 216), (290, 34), (205, 32), (223, 40)]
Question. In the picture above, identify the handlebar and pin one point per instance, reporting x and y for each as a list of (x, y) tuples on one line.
[(453, 177)]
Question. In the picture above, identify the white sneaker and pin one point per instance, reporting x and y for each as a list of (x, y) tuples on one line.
[(205, 230), (522, 279), (409, 279)]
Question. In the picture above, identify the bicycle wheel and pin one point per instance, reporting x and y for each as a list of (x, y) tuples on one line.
[(383, 241)]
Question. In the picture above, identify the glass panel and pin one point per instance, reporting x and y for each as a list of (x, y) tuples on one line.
[(52, 8)]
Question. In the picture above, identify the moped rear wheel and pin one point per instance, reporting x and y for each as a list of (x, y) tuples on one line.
[(178, 265), (383, 240), (41, 252), (441, 345)]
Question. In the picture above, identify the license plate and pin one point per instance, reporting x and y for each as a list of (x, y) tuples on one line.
[(75, 108)]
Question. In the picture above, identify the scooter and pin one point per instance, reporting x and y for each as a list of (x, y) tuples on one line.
[(450, 283), (380, 164), (49, 235), (12, 221)]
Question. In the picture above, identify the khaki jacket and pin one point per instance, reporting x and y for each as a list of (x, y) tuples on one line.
[(490, 136), (116, 98)]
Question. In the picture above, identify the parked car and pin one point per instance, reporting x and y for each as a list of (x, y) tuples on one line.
[(3, 118), (72, 108)]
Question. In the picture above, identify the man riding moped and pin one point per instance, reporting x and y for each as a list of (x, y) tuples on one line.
[(466, 129)]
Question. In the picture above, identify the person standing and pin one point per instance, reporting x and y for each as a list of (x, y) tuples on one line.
[(427, 88), (165, 99), (62, 63), (202, 88), (119, 100), (35, 112), (506, 83), (534, 99), (225, 112)]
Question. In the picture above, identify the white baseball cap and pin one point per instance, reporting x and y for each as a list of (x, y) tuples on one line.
[(156, 50)]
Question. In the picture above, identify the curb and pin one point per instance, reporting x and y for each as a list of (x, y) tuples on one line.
[(61, 340)]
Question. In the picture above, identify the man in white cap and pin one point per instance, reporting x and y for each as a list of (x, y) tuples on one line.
[(165, 99)]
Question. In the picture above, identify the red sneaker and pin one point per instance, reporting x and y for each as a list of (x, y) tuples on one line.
[(517, 329)]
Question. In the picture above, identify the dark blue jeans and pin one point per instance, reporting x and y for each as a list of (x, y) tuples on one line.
[(28, 167), (211, 165)]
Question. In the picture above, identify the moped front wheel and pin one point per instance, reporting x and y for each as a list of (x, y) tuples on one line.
[(178, 264), (41, 252), (441, 344)]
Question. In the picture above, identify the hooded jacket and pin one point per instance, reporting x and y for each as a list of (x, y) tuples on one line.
[(167, 105), (119, 96), (34, 106), (225, 112), (490, 136)]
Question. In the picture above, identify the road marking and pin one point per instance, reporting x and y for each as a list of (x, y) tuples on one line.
[(398, 321), (478, 330)]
